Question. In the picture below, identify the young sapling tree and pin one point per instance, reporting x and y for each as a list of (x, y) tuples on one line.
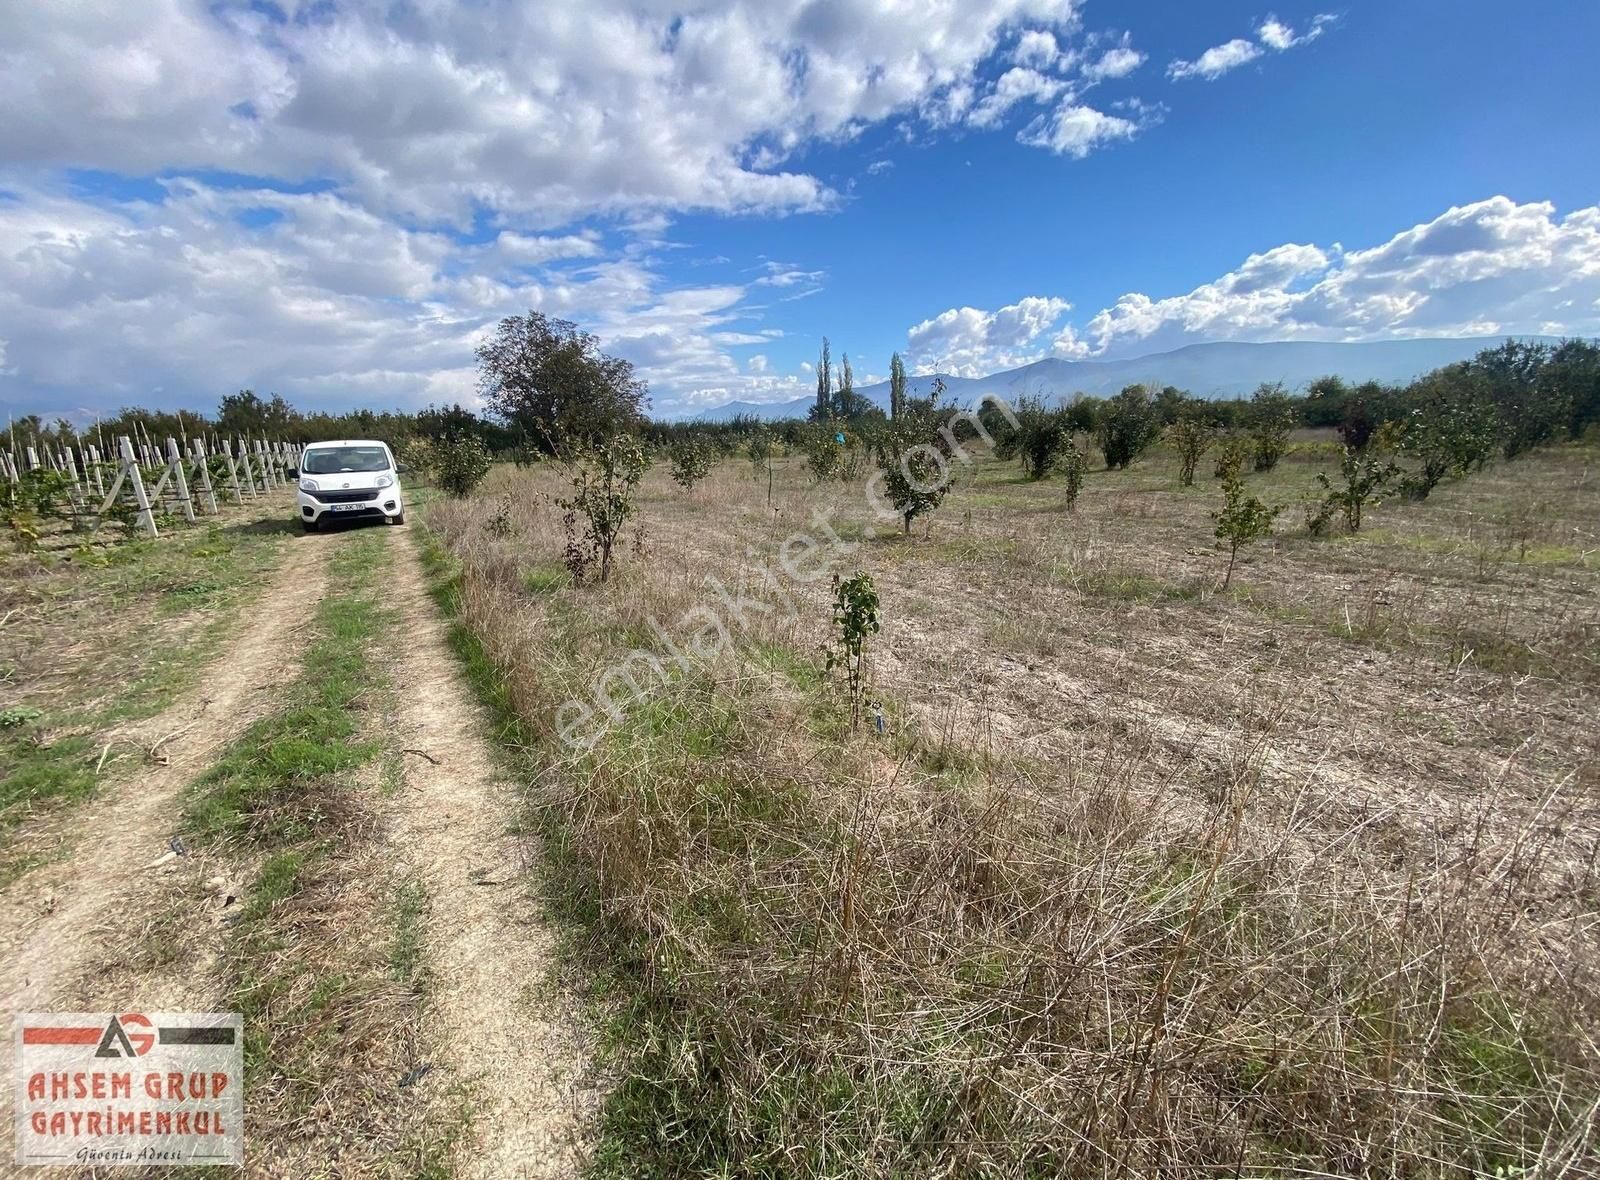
[(1243, 518)]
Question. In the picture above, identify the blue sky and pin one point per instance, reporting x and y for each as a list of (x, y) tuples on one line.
[(334, 200)]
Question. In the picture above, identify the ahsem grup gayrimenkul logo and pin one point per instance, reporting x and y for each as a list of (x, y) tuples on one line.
[(129, 1088)]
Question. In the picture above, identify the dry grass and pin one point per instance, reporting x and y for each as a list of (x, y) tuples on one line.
[(1141, 880)]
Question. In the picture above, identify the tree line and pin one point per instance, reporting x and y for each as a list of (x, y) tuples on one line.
[(548, 389)]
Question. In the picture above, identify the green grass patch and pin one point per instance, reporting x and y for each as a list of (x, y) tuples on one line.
[(190, 586), (263, 787)]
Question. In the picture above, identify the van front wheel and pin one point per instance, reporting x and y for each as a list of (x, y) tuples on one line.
[(398, 517)]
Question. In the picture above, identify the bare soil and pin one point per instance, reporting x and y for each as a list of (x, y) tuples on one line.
[(499, 1020)]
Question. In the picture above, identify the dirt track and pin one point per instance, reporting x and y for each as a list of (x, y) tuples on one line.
[(497, 1019)]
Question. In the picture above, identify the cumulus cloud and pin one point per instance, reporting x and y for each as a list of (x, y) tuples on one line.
[(197, 293), (1036, 49), (1075, 130), (968, 342), (1488, 268), (431, 110), (1117, 62), (1272, 34), (1217, 60), (1015, 85)]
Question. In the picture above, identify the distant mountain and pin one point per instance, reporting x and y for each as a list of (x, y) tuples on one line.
[(1223, 369)]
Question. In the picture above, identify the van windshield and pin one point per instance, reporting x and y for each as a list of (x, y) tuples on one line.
[(329, 460)]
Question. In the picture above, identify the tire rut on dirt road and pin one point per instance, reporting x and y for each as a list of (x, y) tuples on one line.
[(48, 926), (489, 951)]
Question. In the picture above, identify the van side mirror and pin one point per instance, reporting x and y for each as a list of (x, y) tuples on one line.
[(294, 473)]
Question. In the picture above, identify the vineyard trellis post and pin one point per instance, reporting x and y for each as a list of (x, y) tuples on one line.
[(92, 465), (129, 471), (202, 472), (175, 470), (244, 464)]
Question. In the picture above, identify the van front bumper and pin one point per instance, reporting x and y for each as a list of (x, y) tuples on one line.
[(385, 502)]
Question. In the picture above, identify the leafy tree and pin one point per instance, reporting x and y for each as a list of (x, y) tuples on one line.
[(246, 413), (855, 620), (459, 464), (1128, 424), (1531, 406), (1357, 424), (1363, 480), (604, 486), (1325, 402), (1271, 418), (691, 462), (1037, 438), (1448, 434), (1575, 365), (913, 460), (759, 447), (1242, 519), (897, 386), (824, 384), (1192, 434), (824, 451), (550, 380), (1073, 467)]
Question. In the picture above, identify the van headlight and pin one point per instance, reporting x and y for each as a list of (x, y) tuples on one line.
[(384, 481), (308, 485)]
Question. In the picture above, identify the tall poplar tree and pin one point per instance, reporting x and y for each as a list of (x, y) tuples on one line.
[(897, 386), (824, 383)]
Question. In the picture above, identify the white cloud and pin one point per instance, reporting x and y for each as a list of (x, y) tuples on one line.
[(1076, 130), (1036, 49), (1486, 268), (878, 167), (1490, 268), (198, 294), (1217, 60), (969, 342), (551, 111), (1274, 34), (1014, 86), (1271, 34), (1117, 62)]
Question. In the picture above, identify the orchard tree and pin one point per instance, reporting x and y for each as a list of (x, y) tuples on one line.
[(1128, 424), (1271, 418), (1192, 434), (550, 380), (1242, 519)]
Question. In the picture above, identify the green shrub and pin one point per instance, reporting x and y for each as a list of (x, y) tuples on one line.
[(459, 464), (855, 620), (1271, 417), (691, 462), (1192, 434), (604, 486), (1242, 519), (1128, 424)]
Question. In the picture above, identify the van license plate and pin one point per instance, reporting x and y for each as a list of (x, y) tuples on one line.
[(347, 507)]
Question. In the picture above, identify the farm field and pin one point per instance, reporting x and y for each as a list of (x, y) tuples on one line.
[(1121, 874), (1118, 873), (271, 827)]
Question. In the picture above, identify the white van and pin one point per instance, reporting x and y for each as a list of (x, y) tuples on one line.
[(348, 480)]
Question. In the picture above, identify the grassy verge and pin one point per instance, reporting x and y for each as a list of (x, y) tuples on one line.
[(828, 953), (101, 637), (326, 959)]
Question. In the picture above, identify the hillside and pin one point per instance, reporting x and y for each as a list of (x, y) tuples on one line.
[(1218, 369)]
